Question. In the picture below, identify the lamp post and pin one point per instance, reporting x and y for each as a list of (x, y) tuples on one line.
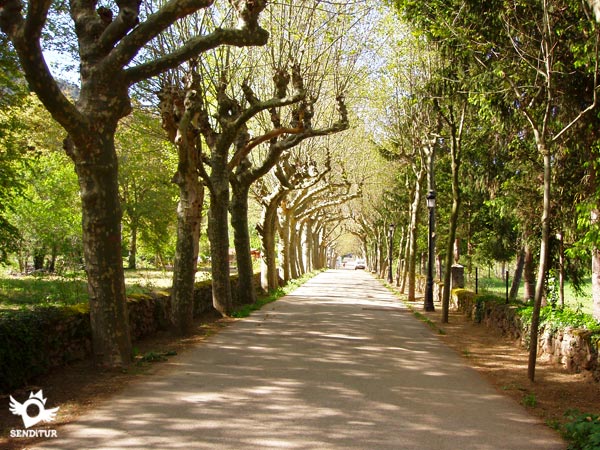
[(390, 252), (428, 305)]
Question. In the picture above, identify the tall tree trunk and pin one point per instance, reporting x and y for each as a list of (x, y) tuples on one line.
[(132, 256), (299, 249), (400, 250), (101, 226), (543, 265), (365, 246), (376, 254), (181, 131), (189, 219), (316, 247), (383, 259), (268, 229), (241, 239), (451, 236), (405, 264), (293, 247), (413, 236), (52, 262), (307, 245), (218, 234), (39, 255), (284, 234), (528, 274)]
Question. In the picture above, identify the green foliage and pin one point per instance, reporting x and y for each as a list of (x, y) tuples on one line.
[(32, 341), (558, 318), (13, 153), (481, 300), (41, 291), (497, 233), (582, 430), (47, 210), (147, 163), (13, 87)]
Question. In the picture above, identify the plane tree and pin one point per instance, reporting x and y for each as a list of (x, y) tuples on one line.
[(311, 39), (109, 37)]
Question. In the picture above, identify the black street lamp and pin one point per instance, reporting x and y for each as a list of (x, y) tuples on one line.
[(390, 252), (428, 305)]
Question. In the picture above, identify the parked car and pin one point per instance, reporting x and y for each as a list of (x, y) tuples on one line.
[(360, 264)]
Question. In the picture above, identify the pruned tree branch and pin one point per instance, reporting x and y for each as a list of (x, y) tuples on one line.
[(192, 48)]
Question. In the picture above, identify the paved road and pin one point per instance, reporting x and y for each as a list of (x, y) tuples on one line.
[(338, 364)]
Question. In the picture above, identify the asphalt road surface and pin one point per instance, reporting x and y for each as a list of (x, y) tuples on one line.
[(338, 364)]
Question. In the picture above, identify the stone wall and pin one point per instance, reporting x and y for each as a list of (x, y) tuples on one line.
[(32, 342), (575, 349)]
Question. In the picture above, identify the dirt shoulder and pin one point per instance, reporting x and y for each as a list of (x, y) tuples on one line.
[(504, 365)]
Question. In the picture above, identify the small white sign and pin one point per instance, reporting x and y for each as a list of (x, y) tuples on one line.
[(43, 415)]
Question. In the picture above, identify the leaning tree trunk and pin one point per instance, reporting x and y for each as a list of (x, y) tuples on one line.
[(518, 274), (101, 226), (268, 228), (218, 234), (189, 219), (241, 239)]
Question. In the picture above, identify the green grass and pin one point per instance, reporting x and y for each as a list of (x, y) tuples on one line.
[(573, 300), (16, 292), (50, 290), (47, 290), (529, 400), (423, 318)]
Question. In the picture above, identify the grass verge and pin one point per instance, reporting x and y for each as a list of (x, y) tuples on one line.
[(422, 317)]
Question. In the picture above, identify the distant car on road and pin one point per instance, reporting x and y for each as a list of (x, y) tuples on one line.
[(360, 264)]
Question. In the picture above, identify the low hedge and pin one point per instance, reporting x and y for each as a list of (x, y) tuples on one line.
[(36, 340)]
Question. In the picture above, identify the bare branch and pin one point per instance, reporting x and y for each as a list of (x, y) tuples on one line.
[(190, 49)]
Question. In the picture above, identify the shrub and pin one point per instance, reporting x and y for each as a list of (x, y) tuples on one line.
[(582, 430), (558, 318)]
